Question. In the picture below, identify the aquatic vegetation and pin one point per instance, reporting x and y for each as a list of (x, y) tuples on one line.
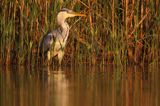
[(115, 31)]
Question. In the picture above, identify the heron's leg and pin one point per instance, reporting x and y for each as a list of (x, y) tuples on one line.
[(60, 56), (48, 55)]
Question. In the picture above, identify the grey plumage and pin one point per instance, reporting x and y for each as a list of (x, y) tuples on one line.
[(46, 43)]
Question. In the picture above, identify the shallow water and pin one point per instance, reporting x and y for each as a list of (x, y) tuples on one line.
[(80, 86)]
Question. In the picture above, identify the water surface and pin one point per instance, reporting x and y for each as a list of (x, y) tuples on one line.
[(79, 86)]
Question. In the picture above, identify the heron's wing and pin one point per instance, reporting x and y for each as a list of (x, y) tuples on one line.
[(53, 33), (46, 43), (58, 42)]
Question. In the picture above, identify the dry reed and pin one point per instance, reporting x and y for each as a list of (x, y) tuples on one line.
[(116, 31)]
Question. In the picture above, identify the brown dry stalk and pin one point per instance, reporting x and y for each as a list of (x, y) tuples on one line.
[(113, 18), (140, 22), (126, 16), (83, 4), (90, 17)]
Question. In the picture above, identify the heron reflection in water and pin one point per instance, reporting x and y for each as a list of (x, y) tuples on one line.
[(60, 35)]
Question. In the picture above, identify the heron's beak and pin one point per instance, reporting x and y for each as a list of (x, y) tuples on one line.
[(78, 14)]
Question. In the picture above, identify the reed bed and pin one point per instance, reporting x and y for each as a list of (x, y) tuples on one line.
[(114, 31)]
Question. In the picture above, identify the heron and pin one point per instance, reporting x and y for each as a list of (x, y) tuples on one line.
[(59, 36)]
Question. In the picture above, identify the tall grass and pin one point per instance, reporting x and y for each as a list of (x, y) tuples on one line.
[(115, 31)]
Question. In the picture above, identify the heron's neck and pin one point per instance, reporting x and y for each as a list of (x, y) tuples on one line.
[(65, 30), (64, 26)]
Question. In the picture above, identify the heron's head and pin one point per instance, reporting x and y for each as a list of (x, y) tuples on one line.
[(66, 13)]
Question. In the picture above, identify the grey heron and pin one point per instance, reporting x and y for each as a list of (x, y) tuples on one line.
[(60, 35)]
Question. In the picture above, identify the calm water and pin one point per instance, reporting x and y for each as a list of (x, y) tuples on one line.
[(80, 86)]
